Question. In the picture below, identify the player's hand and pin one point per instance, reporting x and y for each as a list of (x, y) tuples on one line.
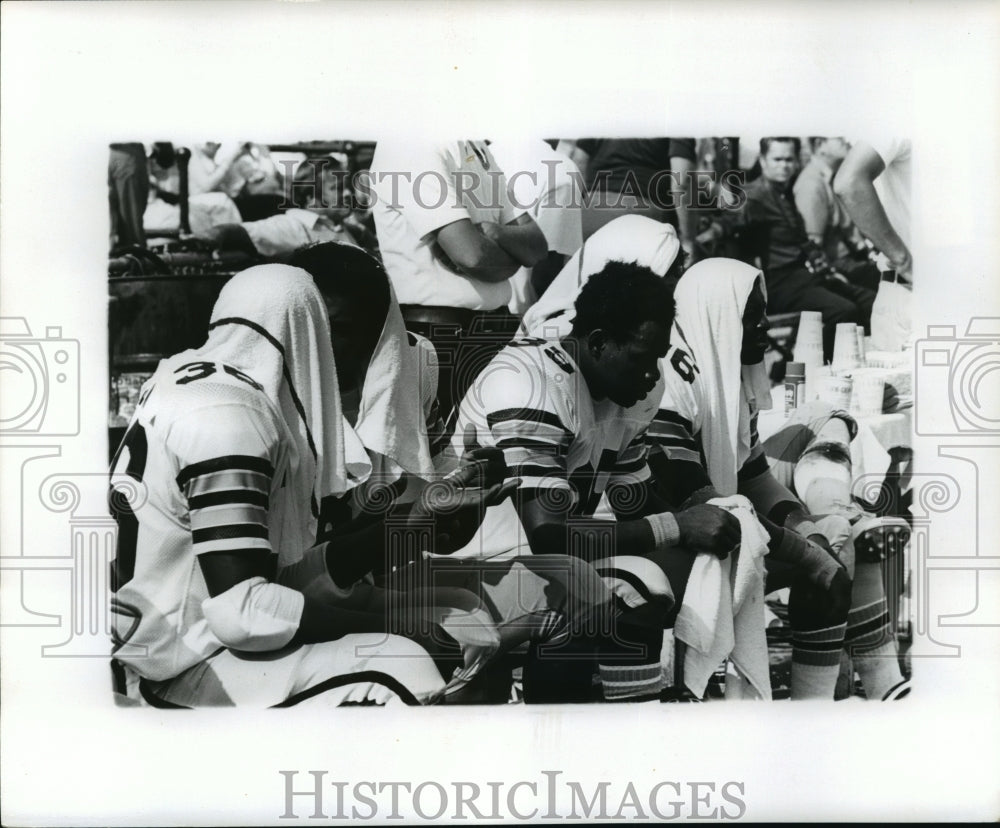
[(491, 230), (708, 528), (228, 152), (479, 467), (458, 503)]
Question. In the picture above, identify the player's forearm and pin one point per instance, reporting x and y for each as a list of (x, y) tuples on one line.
[(491, 263), (687, 218), (770, 498), (351, 556), (636, 500), (591, 539), (325, 622), (865, 208), (523, 243)]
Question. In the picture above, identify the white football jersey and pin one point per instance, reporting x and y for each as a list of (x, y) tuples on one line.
[(211, 453), (533, 403)]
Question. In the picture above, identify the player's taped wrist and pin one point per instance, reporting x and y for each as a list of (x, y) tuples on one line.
[(666, 532)]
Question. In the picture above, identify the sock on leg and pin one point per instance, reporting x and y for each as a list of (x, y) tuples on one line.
[(816, 662), (630, 665), (869, 637)]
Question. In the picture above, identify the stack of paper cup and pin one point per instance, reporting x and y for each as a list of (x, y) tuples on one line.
[(862, 357), (835, 391), (809, 339), (867, 393), (846, 357), (814, 373)]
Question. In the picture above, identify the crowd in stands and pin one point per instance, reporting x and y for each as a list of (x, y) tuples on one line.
[(479, 420)]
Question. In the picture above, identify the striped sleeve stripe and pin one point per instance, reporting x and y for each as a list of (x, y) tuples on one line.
[(233, 546), (231, 462), (656, 435), (619, 477), (548, 483), (668, 429), (251, 497), (227, 515), (630, 458), (229, 480), (228, 531), (530, 415), (515, 457), (673, 442), (264, 556), (665, 415), (536, 431), (535, 470), (629, 466), (539, 445), (637, 448), (685, 455)]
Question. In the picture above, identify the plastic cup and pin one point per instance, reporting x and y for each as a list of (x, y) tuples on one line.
[(809, 339), (868, 393), (835, 391), (845, 348)]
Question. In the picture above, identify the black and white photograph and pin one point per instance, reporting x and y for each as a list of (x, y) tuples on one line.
[(417, 413)]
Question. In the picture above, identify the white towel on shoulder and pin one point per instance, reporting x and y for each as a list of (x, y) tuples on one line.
[(722, 615), (391, 418)]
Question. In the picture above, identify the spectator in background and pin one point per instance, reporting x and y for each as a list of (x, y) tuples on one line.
[(547, 183), (451, 240), (255, 183), (128, 191), (206, 209), (634, 176), (322, 204), (799, 277), (715, 184), (827, 223), (882, 212), (210, 166)]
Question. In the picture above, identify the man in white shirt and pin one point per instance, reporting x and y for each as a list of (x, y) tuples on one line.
[(874, 185), (826, 220), (451, 240), (548, 184)]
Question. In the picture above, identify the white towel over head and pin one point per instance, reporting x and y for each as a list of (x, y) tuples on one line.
[(711, 297), (270, 322), (630, 238)]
